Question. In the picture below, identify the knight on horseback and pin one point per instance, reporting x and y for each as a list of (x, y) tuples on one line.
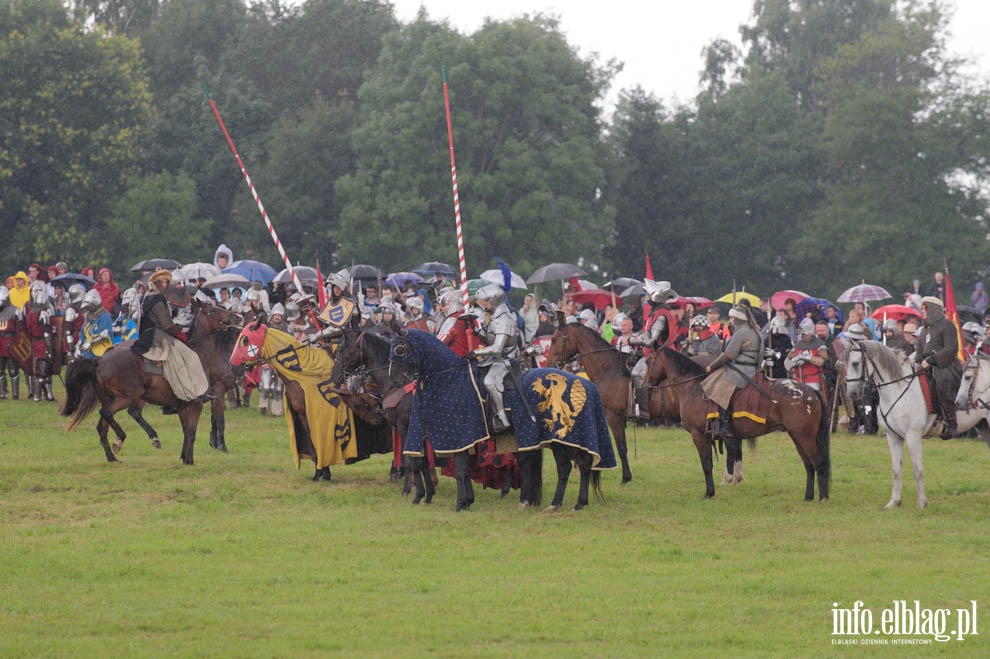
[(660, 327), (735, 368), (501, 336), (159, 336), (938, 346)]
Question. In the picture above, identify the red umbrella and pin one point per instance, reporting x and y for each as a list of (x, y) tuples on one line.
[(597, 296), (698, 302), (777, 299), (895, 311)]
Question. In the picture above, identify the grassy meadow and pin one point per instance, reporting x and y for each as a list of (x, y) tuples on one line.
[(242, 556)]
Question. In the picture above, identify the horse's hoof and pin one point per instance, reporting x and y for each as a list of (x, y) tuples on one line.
[(416, 500), (523, 505), (709, 495), (116, 446), (726, 478), (626, 479), (461, 507), (892, 504), (155, 443), (552, 509), (222, 448), (922, 504), (579, 505), (823, 500)]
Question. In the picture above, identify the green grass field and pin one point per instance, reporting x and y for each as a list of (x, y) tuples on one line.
[(241, 555)]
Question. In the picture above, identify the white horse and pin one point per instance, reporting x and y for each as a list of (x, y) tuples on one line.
[(902, 411), (974, 390)]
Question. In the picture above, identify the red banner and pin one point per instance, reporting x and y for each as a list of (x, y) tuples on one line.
[(952, 313)]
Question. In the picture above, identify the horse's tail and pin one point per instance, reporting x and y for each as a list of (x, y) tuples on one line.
[(80, 391), (531, 475), (822, 443), (596, 485)]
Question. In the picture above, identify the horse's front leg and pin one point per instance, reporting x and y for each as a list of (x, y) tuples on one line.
[(617, 423), (563, 462), (135, 409), (414, 472), (462, 474), (704, 447), (914, 451), (584, 469), (733, 462), (896, 446)]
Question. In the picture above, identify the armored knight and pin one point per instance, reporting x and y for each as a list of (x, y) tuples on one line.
[(96, 336), (658, 328), (271, 386), (341, 310), (74, 319), (8, 332), (38, 315), (457, 329), (500, 334), (125, 326)]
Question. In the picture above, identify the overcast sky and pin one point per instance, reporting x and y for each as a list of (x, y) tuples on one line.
[(660, 42)]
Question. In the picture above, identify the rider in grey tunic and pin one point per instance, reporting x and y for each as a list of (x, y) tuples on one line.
[(500, 335), (743, 353)]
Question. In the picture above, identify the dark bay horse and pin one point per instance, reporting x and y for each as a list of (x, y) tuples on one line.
[(120, 380), (553, 409), (321, 426), (606, 367), (365, 356), (796, 408)]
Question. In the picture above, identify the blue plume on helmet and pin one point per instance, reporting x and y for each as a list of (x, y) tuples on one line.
[(506, 274)]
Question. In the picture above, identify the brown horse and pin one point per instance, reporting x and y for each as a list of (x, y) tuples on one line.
[(795, 407), (120, 380), (606, 367)]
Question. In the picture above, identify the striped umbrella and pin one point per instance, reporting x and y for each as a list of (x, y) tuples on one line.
[(864, 293)]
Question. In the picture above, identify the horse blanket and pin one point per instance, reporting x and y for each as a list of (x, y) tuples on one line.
[(748, 403), (331, 422), (449, 407)]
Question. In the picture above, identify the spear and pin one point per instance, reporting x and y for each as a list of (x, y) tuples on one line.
[(254, 193), (453, 177)]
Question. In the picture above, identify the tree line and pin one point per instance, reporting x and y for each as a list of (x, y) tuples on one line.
[(840, 143)]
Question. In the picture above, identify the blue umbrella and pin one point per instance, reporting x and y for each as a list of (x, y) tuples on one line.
[(400, 279), (434, 268), (811, 305), (252, 270)]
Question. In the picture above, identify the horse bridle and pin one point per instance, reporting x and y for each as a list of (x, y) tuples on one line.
[(565, 336), (973, 364), (869, 381)]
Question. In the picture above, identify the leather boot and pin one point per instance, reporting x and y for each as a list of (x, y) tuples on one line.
[(642, 407), (948, 419), (725, 425)]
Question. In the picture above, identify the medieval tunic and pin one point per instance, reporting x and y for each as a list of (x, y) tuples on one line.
[(182, 367), (743, 352)]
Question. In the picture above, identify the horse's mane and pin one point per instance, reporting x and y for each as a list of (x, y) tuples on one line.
[(592, 334), (376, 343), (428, 352), (891, 362), (682, 364)]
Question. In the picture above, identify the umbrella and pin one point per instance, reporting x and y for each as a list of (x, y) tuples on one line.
[(698, 302), (895, 311), (555, 271), (363, 271), (621, 283), (252, 270), (586, 285), (154, 264), (70, 278), (194, 271), (811, 305), (400, 279), (474, 284), (733, 297), (597, 296), (434, 268), (227, 280), (495, 276), (864, 292), (635, 290), (778, 299), (306, 275), (967, 313)]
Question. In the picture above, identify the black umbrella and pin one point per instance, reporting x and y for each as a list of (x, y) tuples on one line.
[(554, 272), (306, 274), (362, 271), (434, 268), (154, 264), (621, 283), (70, 278)]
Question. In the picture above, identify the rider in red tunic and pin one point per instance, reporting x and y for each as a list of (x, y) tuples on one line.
[(8, 332), (660, 330), (38, 321), (457, 330)]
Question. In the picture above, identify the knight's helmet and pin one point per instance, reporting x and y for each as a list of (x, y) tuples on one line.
[(4, 296), (292, 312), (778, 325), (453, 299), (492, 293), (339, 279), (92, 300), (657, 292), (253, 299), (129, 300), (414, 303), (76, 293), (39, 293), (279, 310)]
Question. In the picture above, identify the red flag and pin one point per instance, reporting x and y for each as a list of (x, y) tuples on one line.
[(321, 287), (649, 268), (952, 313)]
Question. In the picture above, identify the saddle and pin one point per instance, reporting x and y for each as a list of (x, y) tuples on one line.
[(747, 403), (928, 389)]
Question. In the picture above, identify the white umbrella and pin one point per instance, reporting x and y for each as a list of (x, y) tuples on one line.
[(228, 280), (495, 276), (193, 271)]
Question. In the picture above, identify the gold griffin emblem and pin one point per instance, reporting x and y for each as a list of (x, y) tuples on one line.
[(553, 388)]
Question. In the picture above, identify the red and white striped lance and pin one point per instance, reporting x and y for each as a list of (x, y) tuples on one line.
[(453, 178), (254, 193)]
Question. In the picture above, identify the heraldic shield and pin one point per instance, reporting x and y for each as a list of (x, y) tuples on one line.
[(337, 313)]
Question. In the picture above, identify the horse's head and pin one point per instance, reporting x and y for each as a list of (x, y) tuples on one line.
[(856, 369), (214, 317), (562, 347), (656, 367), (974, 383), (249, 344), (349, 358)]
